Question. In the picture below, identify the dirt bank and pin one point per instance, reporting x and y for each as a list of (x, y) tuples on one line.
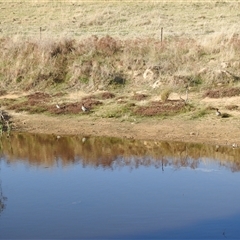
[(211, 130)]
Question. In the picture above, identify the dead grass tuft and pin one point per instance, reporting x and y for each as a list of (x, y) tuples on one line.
[(63, 47), (165, 94), (139, 97), (107, 95), (107, 46), (232, 107)]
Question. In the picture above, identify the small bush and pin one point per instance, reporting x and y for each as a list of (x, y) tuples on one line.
[(84, 80), (107, 46), (165, 94)]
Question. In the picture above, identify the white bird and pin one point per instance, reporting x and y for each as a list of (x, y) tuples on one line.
[(234, 145), (1, 116), (57, 106), (218, 113), (84, 109)]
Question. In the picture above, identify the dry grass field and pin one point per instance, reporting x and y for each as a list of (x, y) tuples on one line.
[(125, 60), (124, 19)]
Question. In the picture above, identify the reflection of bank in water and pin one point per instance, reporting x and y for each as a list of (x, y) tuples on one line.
[(50, 150)]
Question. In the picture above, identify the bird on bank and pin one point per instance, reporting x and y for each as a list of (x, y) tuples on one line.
[(234, 145), (84, 109), (57, 106), (222, 115), (2, 116), (218, 113)]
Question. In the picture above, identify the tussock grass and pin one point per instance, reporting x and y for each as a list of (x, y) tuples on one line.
[(114, 111), (199, 113), (165, 94), (94, 62)]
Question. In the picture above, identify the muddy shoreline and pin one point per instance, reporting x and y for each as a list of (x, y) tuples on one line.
[(208, 130)]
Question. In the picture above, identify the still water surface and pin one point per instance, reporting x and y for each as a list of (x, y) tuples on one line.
[(76, 187)]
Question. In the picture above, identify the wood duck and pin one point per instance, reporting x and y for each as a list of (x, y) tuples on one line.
[(84, 109), (218, 113)]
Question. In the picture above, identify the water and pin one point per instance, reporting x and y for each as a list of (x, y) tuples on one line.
[(76, 187)]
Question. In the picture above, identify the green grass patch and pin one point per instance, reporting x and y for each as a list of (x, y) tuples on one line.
[(200, 113)]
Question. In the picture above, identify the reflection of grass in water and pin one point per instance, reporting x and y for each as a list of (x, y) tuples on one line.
[(101, 151), (2, 198)]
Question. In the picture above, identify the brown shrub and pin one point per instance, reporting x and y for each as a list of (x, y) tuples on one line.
[(63, 47), (107, 45)]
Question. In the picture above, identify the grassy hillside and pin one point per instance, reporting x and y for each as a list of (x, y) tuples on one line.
[(116, 46), (92, 63)]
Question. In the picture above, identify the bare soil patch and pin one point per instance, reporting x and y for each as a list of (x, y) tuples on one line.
[(157, 108), (222, 92), (71, 108)]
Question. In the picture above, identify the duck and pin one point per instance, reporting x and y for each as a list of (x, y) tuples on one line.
[(234, 145), (84, 109), (222, 115), (218, 113)]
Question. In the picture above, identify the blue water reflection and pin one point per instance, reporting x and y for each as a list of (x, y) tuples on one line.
[(82, 200)]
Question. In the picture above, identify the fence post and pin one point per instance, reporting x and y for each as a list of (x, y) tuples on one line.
[(161, 34), (40, 33)]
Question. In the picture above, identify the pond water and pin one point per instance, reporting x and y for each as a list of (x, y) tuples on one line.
[(89, 187)]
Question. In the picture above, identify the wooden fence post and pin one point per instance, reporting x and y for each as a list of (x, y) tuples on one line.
[(161, 34), (40, 33)]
